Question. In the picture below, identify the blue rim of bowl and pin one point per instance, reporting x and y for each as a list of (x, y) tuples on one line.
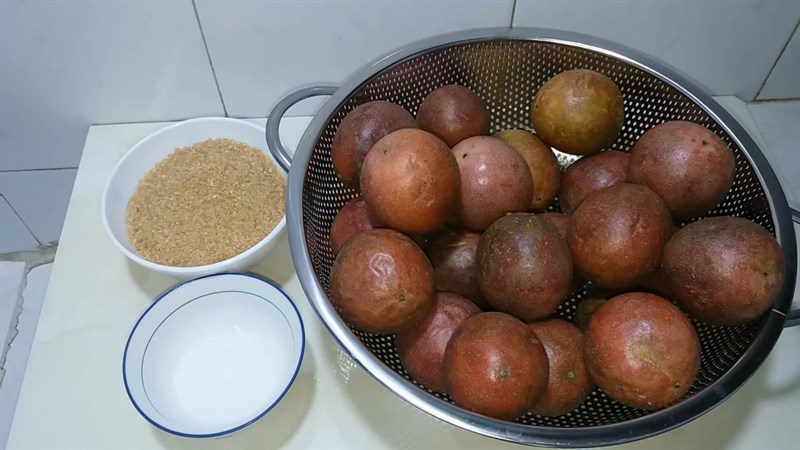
[(260, 415)]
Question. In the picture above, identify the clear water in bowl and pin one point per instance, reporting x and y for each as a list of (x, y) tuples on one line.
[(205, 365)]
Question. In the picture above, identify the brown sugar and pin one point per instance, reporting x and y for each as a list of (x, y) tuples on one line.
[(205, 203)]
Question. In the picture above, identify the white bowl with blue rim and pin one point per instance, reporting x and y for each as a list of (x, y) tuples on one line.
[(213, 355)]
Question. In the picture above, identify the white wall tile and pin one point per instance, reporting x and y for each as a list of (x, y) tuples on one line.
[(14, 236), (66, 65), (262, 50), (40, 197), (728, 46), (784, 80)]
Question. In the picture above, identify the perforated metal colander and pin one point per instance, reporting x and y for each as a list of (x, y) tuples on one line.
[(506, 68)]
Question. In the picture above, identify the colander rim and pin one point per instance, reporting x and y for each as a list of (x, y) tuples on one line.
[(602, 435)]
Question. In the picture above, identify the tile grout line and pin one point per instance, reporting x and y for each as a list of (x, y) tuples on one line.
[(137, 122), (775, 100), (775, 63), (208, 54), (20, 219), (36, 170), (168, 121)]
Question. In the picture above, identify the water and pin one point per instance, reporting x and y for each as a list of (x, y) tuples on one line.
[(219, 361)]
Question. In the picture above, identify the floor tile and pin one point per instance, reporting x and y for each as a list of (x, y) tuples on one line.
[(18, 352), (11, 273)]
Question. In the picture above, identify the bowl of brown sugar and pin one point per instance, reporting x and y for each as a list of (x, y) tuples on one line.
[(198, 197)]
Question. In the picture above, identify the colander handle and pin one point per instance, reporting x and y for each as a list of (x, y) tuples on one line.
[(793, 318), (272, 132)]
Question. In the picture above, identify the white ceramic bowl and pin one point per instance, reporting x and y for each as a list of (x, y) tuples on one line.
[(213, 355), (153, 149)]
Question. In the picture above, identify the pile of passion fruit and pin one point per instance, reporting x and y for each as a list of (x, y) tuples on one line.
[(450, 248)]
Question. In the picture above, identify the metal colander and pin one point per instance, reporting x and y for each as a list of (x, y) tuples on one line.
[(506, 68)]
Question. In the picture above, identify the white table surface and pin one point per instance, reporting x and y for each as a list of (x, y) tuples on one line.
[(73, 395)]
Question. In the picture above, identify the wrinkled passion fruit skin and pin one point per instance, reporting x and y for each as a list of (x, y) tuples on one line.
[(410, 181), (724, 270), (382, 282), (686, 164), (542, 163), (585, 310), (454, 259), (524, 266), (453, 113), (495, 365), (591, 174), (557, 220), (352, 219), (421, 348), (578, 111), (642, 350), (617, 234), (495, 181), (360, 129), (569, 383)]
